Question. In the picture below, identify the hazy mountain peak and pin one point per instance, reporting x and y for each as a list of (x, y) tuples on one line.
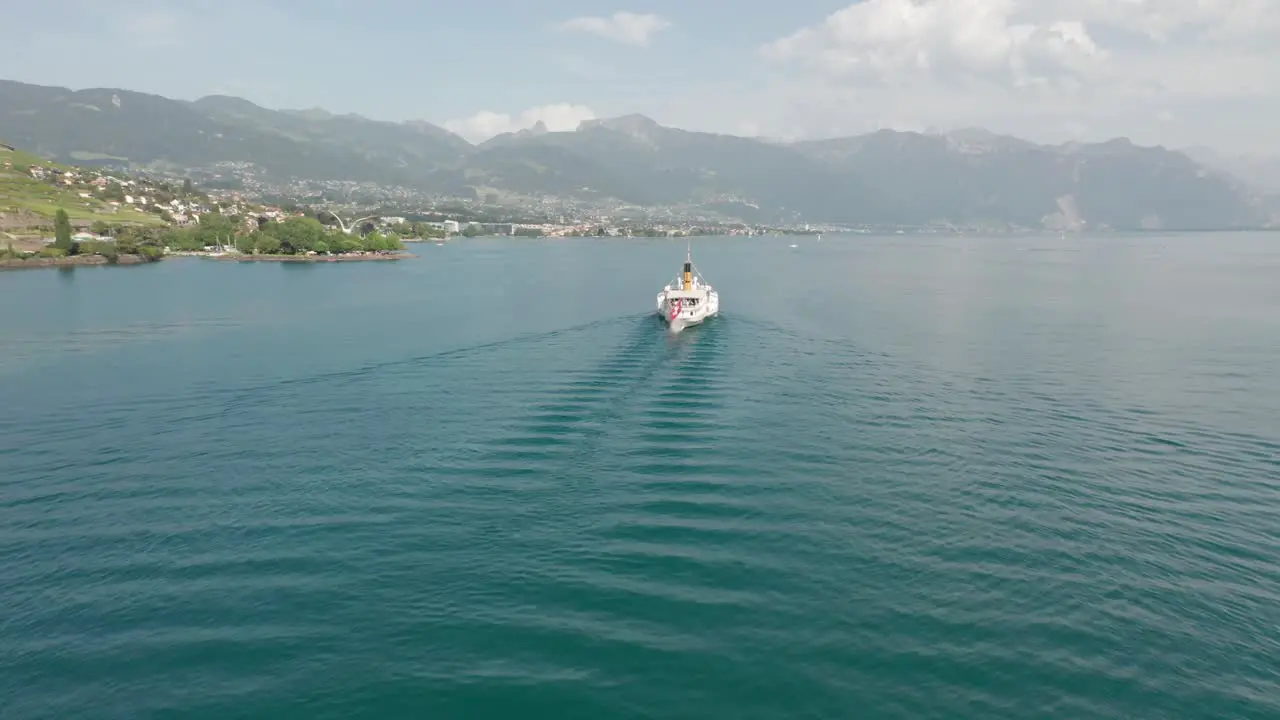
[(1114, 146), (225, 101), (636, 125), (967, 176), (1257, 170), (538, 130), (314, 113), (972, 134), (976, 140)]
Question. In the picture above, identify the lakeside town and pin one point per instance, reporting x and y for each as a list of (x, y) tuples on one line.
[(53, 214)]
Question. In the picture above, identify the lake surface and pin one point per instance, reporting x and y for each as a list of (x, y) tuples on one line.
[(906, 477)]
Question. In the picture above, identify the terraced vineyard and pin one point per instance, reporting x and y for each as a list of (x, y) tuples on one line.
[(28, 202)]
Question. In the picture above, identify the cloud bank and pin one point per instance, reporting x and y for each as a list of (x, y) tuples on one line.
[(1162, 70), (485, 124), (621, 27)]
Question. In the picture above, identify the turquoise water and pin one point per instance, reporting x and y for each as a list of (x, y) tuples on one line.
[(907, 477)]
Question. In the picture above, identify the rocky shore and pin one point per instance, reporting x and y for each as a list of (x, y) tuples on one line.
[(70, 261), (95, 260), (344, 257)]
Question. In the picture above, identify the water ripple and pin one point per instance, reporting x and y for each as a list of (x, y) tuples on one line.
[(760, 518)]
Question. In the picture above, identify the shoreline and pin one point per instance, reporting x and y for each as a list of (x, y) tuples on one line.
[(71, 261), (309, 258), (101, 261)]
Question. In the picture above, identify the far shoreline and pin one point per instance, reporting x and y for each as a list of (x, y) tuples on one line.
[(73, 261), (70, 261), (344, 257)]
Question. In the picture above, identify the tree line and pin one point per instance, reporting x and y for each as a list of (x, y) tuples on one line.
[(293, 236)]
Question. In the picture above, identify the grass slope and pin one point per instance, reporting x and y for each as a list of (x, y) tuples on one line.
[(21, 194)]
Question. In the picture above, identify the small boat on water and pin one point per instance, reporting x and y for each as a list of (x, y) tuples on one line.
[(689, 300)]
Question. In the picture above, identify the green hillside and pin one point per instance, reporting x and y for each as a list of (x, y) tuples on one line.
[(970, 177), (28, 201)]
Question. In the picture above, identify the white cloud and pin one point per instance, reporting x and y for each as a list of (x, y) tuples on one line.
[(623, 27), (1041, 68), (1174, 21), (886, 40), (485, 124)]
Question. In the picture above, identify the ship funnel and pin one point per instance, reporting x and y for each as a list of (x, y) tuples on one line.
[(688, 269)]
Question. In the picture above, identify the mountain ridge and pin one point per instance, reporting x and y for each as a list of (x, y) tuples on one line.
[(966, 176)]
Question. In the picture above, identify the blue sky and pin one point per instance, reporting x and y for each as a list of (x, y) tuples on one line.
[(1177, 71), (399, 59)]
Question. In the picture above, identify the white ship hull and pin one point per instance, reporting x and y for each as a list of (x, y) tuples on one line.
[(687, 301), (678, 313)]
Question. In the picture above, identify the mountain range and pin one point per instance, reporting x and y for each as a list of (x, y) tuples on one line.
[(1258, 170), (885, 177)]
